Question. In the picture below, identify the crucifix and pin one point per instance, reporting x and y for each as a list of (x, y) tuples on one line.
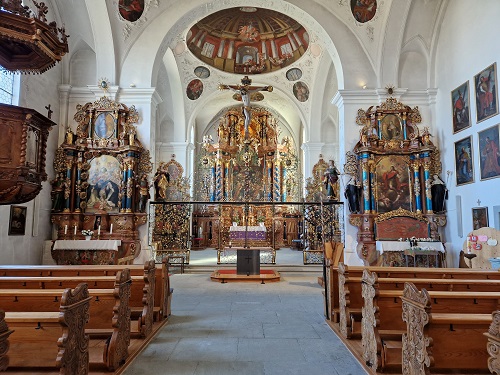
[(245, 90), (50, 111)]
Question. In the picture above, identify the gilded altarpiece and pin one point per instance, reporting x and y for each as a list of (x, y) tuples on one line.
[(246, 182), (101, 182), (392, 172)]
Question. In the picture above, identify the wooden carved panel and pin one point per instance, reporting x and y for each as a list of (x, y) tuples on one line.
[(416, 344), (343, 299), (369, 338), (401, 227), (493, 346)]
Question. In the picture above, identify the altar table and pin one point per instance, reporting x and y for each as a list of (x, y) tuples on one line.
[(254, 232), (400, 253), (93, 252)]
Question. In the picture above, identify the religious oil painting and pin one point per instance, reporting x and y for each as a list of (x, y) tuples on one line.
[(464, 167), (489, 155), (104, 184), (393, 184), (485, 84), (131, 10), (460, 107), (479, 217), (202, 72), (17, 221), (301, 91), (363, 10), (391, 128), (104, 125), (194, 89), (293, 74)]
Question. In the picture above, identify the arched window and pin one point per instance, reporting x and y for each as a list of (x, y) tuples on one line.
[(9, 87)]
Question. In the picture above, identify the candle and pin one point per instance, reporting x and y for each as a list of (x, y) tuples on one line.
[(111, 229), (75, 230), (468, 244), (99, 231), (66, 229)]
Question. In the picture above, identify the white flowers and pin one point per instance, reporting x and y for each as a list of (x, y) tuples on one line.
[(416, 239), (87, 232)]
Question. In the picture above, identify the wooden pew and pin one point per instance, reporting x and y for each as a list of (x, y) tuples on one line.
[(382, 326), (493, 347), (448, 340), (109, 314), (162, 294), (344, 288), (57, 337)]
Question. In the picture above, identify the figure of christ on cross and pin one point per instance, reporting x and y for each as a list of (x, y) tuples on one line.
[(245, 90)]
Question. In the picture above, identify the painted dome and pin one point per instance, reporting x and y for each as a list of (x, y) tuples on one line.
[(248, 40)]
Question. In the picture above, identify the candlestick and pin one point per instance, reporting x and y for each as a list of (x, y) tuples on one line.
[(111, 229), (66, 229)]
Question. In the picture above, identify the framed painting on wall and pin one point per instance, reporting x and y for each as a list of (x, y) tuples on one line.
[(17, 221), (460, 107), (489, 156), (464, 167), (485, 83), (479, 217)]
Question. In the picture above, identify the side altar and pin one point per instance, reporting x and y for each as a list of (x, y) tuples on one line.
[(101, 183), (395, 191)]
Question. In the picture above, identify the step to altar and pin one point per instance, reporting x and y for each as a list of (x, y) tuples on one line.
[(227, 275)]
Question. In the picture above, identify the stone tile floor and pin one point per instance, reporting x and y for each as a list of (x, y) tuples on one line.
[(246, 328)]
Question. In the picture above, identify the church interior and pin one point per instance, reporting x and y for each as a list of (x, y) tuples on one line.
[(361, 136)]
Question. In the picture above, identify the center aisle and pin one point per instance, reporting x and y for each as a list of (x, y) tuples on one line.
[(246, 328)]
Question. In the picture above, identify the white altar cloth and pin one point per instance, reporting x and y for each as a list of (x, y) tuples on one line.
[(87, 245), (387, 246)]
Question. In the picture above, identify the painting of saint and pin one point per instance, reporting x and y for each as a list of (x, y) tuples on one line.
[(486, 93), (131, 10), (363, 10), (460, 106), (104, 125), (463, 161), (194, 89), (489, 154), (479, 217), (393, 184), (301, 91), (104, 184), (391, 128)]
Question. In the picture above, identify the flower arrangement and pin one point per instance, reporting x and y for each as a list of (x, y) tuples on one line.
[(260, 218), (87, 232)]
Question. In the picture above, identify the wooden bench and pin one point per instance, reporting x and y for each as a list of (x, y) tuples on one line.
[(109, 315), (162, 294), (57, 337), (382, 326), (446, 340)]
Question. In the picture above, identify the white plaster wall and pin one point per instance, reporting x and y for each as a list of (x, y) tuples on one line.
[(462, 52), (37, 91)]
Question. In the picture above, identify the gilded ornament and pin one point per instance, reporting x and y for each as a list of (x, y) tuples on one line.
[(400, 212)]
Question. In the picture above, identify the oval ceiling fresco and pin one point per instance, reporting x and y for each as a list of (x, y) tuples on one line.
[(131, 10), (363, 10), (248, 40)]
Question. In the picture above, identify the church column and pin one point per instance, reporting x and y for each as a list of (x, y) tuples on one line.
[(197, 35), (123, 188), (283, 187), (416, 177), (218, 179), (311, 152), (405, 132), (269, 180), (277, 179), (292, 42), (273, 49), (68, 186), (226, 180), (371, 165), (264, 49), (297, 38), (366, 184), (213, 184), (199, 44), (230, 50), (221, 48), (78, 182), (428, 184), (130, 185)]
